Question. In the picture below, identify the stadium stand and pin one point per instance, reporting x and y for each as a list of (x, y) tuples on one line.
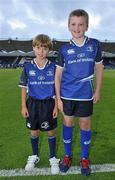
[(14, 53), (26, 45)]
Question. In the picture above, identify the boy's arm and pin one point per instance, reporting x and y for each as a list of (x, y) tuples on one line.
[(24, 109), (99, 77), (58, 77), (55, 110)]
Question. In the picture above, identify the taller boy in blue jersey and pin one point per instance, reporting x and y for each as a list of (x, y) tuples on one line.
[(74, 86), (38, 104)]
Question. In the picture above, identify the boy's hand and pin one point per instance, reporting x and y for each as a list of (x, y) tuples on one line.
[(55, 112), (60, 105), (96, 97), (24, 112)]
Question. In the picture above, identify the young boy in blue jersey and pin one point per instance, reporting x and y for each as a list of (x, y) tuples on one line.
[(38, 103), (74, 86)]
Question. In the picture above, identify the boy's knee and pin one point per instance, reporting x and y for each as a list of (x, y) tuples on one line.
[(85, 124), (51, 133), (34, 133), (68, 121)]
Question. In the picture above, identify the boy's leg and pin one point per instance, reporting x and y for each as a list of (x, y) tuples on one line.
[(34, 141), (34, 159), (67, 134), (67, 140), (85, 138), (54, 163), (52, 143)]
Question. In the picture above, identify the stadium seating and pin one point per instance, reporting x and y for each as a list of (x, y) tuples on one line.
[(14, 53)]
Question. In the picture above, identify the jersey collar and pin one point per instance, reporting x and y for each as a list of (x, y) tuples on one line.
[(75, 44), (41, 67)]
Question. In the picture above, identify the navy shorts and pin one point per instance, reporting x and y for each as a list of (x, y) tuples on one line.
[(77, 108), (41, 114)]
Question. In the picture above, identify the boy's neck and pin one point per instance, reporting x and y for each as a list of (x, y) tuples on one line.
[(79, 41), (41, 62)]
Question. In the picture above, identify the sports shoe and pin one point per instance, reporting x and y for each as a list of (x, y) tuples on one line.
[(32, 160), (54, 163), (85, 167), (65, 164)]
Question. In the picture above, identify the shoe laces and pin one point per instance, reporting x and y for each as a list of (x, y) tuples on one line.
[(66, 160), (54, 161), (32, 159), (85, 163)]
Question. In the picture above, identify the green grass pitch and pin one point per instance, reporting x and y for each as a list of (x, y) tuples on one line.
[(14, 137)]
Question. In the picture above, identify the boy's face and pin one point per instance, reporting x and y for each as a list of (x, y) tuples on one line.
[(41, 51), (77, 26)]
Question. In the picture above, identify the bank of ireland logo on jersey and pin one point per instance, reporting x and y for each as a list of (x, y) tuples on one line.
[(41, 78), (70, 51), (32, 73), (81, 55)]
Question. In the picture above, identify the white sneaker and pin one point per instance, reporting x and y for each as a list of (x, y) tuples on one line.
[(54, 163), (32, 160)]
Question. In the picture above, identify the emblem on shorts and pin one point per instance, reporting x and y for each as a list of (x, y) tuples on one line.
[(45, 125), (28, 125)]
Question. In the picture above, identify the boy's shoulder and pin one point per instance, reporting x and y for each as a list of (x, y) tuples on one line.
[(65, 46), (28, 63), (92, 40), (50, 62)]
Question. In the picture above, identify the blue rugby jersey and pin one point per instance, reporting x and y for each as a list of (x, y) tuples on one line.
[(78, 68), (38, 81)]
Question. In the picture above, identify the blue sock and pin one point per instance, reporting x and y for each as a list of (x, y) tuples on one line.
[(34, 143), (52, 145), (85, 137), (67, 139)]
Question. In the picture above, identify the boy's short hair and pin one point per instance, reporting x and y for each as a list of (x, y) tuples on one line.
[(79, 12), (42, 40)]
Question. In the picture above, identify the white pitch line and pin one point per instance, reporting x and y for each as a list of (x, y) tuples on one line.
[(46, 171)]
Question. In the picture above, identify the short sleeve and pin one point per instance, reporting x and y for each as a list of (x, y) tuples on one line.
[(23, 78), (60, 59), (98, 53)]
